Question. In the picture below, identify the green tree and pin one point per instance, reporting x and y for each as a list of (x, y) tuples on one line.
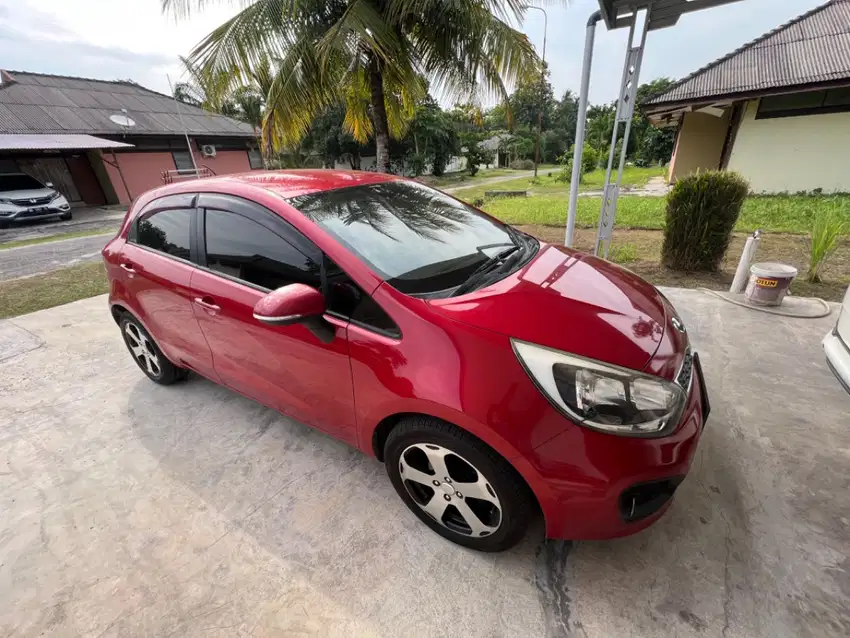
[(526, 100), (434, 138), (369, 54)]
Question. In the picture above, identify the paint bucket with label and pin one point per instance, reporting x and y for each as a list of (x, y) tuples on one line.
[(769, 283)]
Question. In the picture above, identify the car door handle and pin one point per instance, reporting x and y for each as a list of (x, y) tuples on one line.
[(207, 304)]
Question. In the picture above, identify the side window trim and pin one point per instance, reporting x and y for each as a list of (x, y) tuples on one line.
[(182, 201), (263, 216)]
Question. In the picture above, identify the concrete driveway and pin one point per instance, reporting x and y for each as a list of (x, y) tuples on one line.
[(130, 509)]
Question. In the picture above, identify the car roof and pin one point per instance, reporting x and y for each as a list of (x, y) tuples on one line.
[(292, 183)]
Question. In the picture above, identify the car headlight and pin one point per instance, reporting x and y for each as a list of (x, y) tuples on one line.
[(601, 396)]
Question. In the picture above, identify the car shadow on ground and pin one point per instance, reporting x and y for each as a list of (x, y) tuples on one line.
[(332, 512)]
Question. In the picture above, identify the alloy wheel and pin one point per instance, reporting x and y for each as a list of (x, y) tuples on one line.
[(143, 349), (450, 489)]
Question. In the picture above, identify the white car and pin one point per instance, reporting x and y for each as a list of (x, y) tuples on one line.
[(24, 198), (837, 345)]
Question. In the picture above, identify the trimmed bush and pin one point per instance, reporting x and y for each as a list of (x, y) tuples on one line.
[(522, 165), (702, 210)]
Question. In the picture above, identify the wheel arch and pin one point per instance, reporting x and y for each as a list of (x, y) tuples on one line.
[(524, 470)]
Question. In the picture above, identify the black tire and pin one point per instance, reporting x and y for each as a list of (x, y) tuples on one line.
[(66, 217), (163, 372), (515, 498)]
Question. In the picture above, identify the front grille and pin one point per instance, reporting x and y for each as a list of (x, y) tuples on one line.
[(33, 201), (683, 379)]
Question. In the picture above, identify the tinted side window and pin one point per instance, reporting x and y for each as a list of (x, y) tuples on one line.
[(347, 299), (168, 231), (242, 248)]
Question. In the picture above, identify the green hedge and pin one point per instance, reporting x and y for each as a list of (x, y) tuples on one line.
[(702, 210)]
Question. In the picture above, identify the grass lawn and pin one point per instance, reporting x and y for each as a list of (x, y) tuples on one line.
[(780, 213), (20, 296), (49, 238), (547, 182)]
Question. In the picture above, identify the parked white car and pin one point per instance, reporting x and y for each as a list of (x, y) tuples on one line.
[(837, 345), (24, 198)]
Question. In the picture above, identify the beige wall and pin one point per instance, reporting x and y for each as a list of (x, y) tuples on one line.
[(698, 144), (793, 154)]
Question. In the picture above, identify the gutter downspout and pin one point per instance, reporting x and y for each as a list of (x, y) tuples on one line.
[(581, 122)]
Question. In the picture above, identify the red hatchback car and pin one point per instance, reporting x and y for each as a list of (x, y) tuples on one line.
[(493, 374)]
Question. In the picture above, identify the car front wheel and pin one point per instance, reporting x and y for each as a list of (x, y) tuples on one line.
[(147, 354), (457, 485)]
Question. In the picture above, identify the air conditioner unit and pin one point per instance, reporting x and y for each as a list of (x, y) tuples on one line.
[(208, 150)]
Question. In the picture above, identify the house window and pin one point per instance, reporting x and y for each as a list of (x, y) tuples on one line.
[(806, 103), (183, 160), (255, 159)]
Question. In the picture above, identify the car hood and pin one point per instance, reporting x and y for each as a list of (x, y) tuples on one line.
[(28, 193), (571, 302)]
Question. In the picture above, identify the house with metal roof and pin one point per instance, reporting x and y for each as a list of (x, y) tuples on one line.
[(776, 110), (103, 142)]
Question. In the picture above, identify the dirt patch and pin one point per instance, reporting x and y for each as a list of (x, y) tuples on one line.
[(780, 247)]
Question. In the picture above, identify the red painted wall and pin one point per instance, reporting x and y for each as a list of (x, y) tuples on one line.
[(225, 162), (142, 172)]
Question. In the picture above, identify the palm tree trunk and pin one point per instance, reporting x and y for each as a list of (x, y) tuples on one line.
[(379, 117)]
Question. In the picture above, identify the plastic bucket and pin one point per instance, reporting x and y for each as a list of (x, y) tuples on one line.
[(769, 283)]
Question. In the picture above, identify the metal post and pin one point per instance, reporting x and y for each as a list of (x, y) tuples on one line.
[(182, 125), (624, 114), (542, 88), (581, 121)]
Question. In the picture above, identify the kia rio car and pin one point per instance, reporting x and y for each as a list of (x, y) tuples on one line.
[(493, 374)]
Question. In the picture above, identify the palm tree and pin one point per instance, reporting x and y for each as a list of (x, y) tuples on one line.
[(375, 56)]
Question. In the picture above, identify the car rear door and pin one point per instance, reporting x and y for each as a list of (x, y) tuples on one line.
[(247, 251), (155, 268)]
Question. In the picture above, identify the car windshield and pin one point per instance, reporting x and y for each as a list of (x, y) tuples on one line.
[(418, 239), (18, 183)]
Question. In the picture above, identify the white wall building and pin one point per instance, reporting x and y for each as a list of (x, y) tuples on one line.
[(777, 110)]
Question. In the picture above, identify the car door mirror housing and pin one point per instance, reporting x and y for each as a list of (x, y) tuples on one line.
[(290, 304)]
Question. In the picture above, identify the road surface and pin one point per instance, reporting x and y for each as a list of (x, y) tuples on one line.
[(40, 258)]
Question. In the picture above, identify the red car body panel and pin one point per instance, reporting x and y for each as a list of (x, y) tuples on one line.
[(453, 361)]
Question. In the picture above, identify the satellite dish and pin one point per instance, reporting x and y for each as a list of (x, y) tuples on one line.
[(122, 120)]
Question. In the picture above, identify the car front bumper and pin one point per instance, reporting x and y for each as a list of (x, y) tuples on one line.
[(601, 486), (838, 358), (31, 214)]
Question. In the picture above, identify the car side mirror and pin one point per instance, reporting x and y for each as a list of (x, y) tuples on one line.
[(290, 304)]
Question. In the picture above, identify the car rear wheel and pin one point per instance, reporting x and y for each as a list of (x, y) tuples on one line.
[(457, 485), (147, 354)]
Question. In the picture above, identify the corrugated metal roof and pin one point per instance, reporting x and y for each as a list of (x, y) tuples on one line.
[(25, 142), (36, 103), (812, 48)]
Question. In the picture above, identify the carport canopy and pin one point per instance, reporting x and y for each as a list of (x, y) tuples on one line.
[(55, 142), (664, 13)]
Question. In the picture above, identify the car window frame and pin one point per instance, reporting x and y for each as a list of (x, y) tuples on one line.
[(182, 201), (277, 225), (255, 212)]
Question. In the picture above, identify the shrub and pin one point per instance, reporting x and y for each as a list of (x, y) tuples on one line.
[(589, 160), (702, 209), (522, 165), (827, 228)]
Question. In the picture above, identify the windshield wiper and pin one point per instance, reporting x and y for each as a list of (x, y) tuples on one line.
[(483, 270)]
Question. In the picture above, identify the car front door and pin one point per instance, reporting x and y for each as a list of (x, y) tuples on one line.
[(155, 270), (247, 251)]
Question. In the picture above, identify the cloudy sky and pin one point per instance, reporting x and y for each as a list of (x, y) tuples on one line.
[(131, 39)]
